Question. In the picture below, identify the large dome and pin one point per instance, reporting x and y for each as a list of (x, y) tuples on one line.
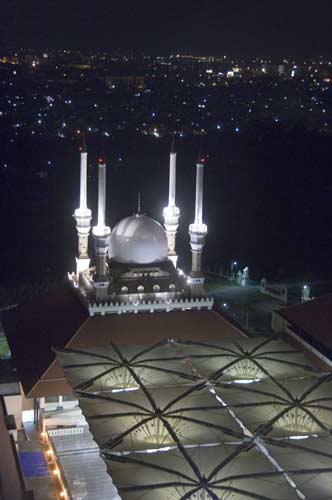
[(138, 240)]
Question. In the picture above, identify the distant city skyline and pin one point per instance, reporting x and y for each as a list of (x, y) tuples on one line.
[(213, 27)]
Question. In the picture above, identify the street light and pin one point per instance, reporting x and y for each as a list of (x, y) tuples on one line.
[(234, 263)]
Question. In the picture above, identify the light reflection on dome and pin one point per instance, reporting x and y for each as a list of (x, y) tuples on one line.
[(153, 432), (121, 378), (201, 494), (245, 371), (297, 421), (138, 240)]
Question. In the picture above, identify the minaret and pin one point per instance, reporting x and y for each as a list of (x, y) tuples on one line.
[(101, 234), (82, 216), (198, 230), (171, 212)]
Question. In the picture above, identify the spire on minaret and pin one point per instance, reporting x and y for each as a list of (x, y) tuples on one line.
[(198, 229), (101, 234), (172, 212), (100, 228), (173, 150), (139, 204), (82, 147), (82, 215)]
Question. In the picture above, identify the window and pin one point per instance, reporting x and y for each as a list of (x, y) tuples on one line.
[(69, 397), (51, 399)]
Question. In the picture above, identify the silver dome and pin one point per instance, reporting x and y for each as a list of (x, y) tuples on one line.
[(138, 240)]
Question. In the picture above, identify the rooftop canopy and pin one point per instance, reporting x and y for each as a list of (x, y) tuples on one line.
[(226, 420)]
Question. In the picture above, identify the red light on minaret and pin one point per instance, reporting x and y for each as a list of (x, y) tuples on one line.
[(202, 159)]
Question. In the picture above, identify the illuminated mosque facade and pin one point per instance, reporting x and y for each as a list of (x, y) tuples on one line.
[(136, 262)]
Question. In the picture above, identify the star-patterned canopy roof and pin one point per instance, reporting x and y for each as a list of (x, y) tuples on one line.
[(228, 420)]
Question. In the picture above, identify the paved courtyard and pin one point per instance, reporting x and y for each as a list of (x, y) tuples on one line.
[(251, 308)]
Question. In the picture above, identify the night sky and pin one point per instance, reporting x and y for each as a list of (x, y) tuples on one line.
[(239, 28)]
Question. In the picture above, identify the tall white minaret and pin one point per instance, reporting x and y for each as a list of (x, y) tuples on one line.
[(82, 216), (172, 212), (198, 230), (101, 234)]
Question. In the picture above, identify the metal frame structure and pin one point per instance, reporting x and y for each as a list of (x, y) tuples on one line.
[(226, 420)]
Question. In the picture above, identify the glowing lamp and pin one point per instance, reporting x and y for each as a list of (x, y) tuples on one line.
[(299, 437), (246, 381), (202, 159)]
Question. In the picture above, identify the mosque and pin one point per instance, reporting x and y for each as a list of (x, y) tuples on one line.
[(131, 292), (141, 389), (136, 262)]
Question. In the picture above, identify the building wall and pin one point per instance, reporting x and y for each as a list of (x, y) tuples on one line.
[(52, 403), (11, 481), (278, 323), (14, 407)]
